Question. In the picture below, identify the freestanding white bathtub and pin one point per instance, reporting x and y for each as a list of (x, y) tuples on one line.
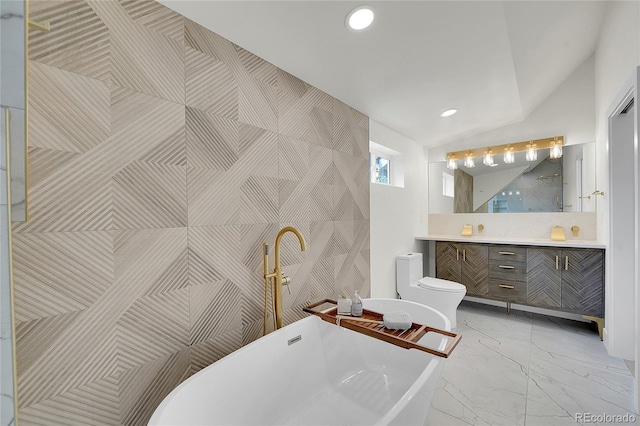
[(315, 373)]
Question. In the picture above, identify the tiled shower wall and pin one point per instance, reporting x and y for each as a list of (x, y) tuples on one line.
[(161, 157)]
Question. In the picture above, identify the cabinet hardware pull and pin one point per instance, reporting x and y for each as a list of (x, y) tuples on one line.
[(507, 253), (566, 263), (557, 262), (506, 267), (464, 255), (457, 254), (510, 287)]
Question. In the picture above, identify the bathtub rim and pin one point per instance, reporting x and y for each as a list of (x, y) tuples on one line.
[(387, 418)]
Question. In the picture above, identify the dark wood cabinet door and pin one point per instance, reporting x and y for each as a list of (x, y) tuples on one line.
[(544, 277), (475, 268), (582, 281), (448, 266)]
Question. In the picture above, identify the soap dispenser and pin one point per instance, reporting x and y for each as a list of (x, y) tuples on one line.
[(356, 305)]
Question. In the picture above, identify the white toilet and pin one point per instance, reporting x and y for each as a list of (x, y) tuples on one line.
[(442, 295)]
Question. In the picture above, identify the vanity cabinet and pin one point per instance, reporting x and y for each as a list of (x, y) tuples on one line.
[(568, 279), (508, 273), (560, 278), (464, 263)]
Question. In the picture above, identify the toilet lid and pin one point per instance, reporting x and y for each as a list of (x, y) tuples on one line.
[(441, 285)]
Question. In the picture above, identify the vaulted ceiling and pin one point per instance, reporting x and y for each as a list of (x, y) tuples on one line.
[(494, 61)]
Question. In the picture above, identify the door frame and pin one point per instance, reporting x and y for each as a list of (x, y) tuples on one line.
[(629, 91)]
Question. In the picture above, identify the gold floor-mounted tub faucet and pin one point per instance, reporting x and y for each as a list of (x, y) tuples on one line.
[(276, 278)]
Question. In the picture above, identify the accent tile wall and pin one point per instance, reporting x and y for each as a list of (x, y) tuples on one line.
[(161, 157)]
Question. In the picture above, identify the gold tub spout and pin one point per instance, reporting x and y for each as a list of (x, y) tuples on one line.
[(276, 275)]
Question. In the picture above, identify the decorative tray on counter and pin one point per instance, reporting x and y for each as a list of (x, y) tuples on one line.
[(327, 310)]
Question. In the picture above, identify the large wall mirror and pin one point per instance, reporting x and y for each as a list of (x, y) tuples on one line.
[(563, 184)]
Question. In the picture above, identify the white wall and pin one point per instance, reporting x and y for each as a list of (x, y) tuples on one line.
[(438, 202), (397, 214), (616, 58), (568, 111)]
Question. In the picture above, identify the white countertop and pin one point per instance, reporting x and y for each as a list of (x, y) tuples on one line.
[(511, 240)]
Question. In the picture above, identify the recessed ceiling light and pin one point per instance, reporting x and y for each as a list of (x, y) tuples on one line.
[(360, 18), (448, 112)]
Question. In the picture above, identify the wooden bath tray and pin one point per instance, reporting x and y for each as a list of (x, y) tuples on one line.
[(327, 310)]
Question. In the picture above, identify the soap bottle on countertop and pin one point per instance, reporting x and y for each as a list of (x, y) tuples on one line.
[(356, 305)]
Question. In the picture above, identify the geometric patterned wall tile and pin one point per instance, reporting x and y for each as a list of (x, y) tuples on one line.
[(343, 203), (174, 277), (252, 139), (58, 273), (142, 59), (352, 171), (199, 38), (210, 86), (259, 200), (217, 246), (320, 188), (293, 158), (209, 351), (36, 336), (84, 353), (150, 196), (249, 250), (78, 40), (95, 403), (350, 130), (290, 84), (212, 141), (141, 259), (61, 94), (214, 310), (305, 115), (343, 138), (44, 162), (141, 390), (322, 239), (153, 327), (258, 103), (155, 16), (320, 128), (257, 67), (253, 331), (172, 154), (356, 232)]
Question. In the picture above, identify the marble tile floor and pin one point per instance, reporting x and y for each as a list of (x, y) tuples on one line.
[(529, 369)]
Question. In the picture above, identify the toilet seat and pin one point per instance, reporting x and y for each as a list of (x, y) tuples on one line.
[(437, 284)]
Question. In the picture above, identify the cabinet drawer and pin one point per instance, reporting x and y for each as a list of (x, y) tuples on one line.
[(511, 291), (508, 253), (506, 270)]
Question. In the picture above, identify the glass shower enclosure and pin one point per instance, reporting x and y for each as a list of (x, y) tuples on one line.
[(12, 183)]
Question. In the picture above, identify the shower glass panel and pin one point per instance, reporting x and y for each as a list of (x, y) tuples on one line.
[(12, 119)]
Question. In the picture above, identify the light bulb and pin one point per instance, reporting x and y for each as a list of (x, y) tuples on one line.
[(488, 158), (469, 162), (452, 164), (532, 154), (509, 156)]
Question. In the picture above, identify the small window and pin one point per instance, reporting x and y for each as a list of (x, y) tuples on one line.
[(447, 184), (381, 170)]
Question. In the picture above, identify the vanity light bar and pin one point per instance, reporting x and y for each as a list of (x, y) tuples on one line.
[(512, 147)]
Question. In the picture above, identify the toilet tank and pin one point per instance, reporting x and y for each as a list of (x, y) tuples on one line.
[(408, 270)]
